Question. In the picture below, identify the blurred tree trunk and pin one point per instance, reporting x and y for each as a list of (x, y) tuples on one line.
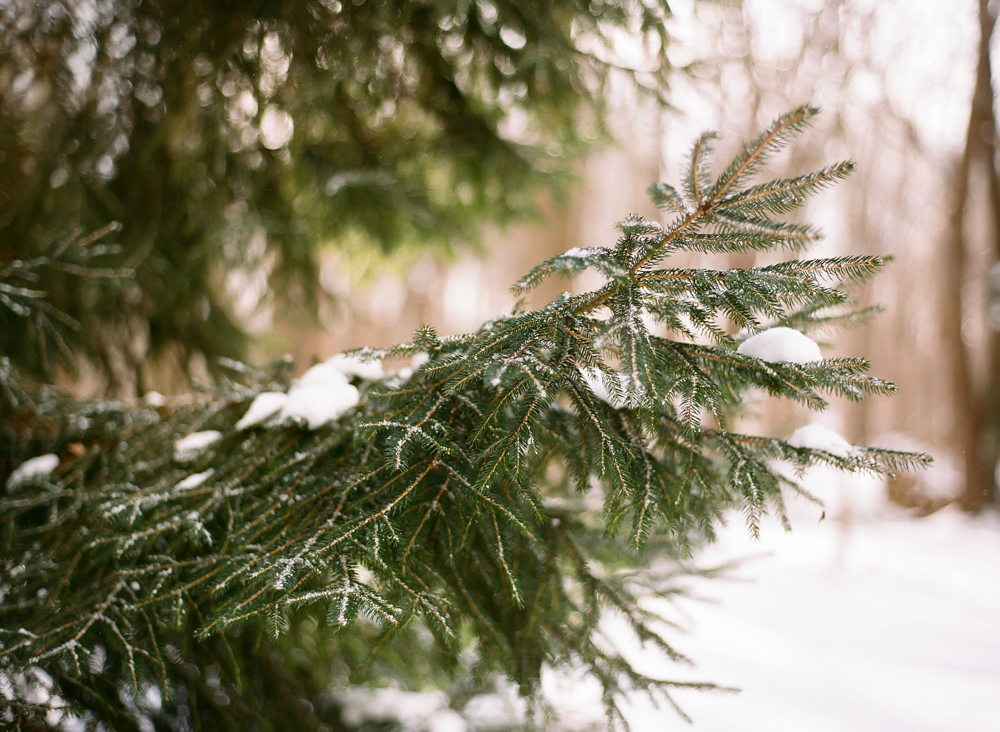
[(988, 139), (976, 406)]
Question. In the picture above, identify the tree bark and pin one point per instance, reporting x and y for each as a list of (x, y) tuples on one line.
[(988, 136), (976, 407)]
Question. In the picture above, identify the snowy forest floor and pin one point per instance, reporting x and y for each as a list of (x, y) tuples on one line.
[(881, 622), (885, 622)]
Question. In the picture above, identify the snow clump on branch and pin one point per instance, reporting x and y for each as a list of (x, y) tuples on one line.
[(354, 366), (266, 404), (154, 399), (781, 345), (33, 469), (320, 395), (818, 437), (190, 447), (194, 480)]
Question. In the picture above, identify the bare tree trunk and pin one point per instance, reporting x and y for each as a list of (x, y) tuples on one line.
[(975, 407), (988, 136)]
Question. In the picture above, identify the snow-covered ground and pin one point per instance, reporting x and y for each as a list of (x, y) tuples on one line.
[(879, 623), (887, 623)]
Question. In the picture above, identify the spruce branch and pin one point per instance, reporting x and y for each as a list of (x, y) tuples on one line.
[(25, 285), (459, 496)]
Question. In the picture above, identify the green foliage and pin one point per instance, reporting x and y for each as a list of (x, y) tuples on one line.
[(507, 491), (25, 286), (411, 123)]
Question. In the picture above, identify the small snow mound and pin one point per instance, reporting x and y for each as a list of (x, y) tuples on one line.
[(320, 403), (71, 723), (264, 405), (576, 253), (97, 660), (154, 399), (323, 393), (151, 698), (411, 709), (33, 469), (818, 437), (42, 677), (353, 366), (445, 720), (194, 480), (190, 447), (492, 710), (55, 714), (781, 345), (322, 374)]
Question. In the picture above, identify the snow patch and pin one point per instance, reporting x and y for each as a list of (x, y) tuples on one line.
[(818, 437), (321, 395), (194, 480), (71, 723), (322, 374), (883, 624), (485, 711), (418, 711), (55, 713), (154, 399), (97, 660), (781, 345), (445, 720), (576, 253), (264, 405), (190, 447), (354, 366), (319, 405), (151, 699), (42, 677), (33, 469)]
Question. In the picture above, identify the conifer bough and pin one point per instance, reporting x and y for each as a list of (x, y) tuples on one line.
[(460, 495)]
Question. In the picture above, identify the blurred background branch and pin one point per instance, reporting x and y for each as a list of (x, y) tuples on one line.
[(233, 140)]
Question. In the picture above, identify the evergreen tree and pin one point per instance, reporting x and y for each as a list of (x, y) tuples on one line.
[(227, 136), (164, 564)]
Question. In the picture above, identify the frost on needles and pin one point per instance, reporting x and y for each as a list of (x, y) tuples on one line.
[(459, 494)]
